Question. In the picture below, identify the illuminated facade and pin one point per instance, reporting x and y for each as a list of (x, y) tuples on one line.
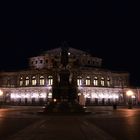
[(34, 85)]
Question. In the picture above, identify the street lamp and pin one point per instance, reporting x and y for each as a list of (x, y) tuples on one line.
[(1, 92), (129, 93), (1, 97)]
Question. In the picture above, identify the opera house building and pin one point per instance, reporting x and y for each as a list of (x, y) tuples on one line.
[(35, 85)]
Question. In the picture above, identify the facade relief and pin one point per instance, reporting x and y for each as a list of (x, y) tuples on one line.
[(74, 69)]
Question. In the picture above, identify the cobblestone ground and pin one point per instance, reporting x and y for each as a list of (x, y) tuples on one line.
[(103, 124)]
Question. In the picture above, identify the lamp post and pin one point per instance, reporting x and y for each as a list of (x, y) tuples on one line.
[(129, 93), (1, 97)]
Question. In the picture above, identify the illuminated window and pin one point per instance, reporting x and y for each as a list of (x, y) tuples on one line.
[(95, 82), (108, 81), (33, 80), (88, 80), (41, 80), (79, 81), (27, 81), (50, 80), (102, 81), (21, 81), (50, 95)]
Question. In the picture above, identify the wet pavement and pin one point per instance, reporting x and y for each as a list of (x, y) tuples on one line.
[(62, 128), (13, 120), (122, 124), (103, 124)]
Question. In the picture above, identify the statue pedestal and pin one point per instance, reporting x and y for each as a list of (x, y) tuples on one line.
[(64, 91), (63, 107)]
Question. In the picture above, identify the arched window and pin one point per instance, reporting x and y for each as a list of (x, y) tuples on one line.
[(21, 81), (95, 81), (108, 81), (41, 80), (50, 80), (33, 80), (87, 80), (27, 81), (79, 80), (102, 81)]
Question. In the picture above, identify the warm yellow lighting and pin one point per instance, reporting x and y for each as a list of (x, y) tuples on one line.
[(43, 95), (35, 95), (129, 93), (1, 92), (49, 95), (79, 94), (50, 80), (49, 87), (54, 100)]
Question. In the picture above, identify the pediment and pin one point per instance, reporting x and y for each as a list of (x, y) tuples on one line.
[(73, 51)]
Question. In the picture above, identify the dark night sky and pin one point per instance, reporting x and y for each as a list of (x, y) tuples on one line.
[(104, 29)]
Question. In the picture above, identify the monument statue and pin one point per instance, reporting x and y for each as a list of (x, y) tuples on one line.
[(64, 56), (64, 89)]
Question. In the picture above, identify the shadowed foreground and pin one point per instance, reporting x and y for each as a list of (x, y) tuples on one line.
[(61, 128)]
